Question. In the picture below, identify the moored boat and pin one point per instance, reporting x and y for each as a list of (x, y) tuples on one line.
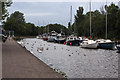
[(52, 36), (61, 38), (105, 44), (45, 37), (82, 39), (91, 44), (72, 40), (38, 37), (118, 47)]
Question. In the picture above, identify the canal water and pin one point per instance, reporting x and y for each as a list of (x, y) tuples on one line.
[(75, 61)]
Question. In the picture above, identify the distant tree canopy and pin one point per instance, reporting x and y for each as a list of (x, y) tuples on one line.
[(82, 22), (53, 27), (16, 22), (81, 25)]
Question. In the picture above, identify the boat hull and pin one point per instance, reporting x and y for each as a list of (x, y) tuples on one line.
[(90, 46), (73, 42), (108, 45), (45, 39), (60, 41), (118, 48), (51, 40)]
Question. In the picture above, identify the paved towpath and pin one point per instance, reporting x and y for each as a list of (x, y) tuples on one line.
[(19, 63)]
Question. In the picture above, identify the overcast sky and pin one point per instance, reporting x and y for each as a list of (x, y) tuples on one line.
[(42, 12)]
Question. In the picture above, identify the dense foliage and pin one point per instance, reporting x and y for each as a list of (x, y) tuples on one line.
[(53, 27), (16, 22), (82, 22), (3, 8)]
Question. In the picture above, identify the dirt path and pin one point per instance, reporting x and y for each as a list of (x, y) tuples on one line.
[(19, 63)]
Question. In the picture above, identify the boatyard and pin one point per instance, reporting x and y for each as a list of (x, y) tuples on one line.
[(64, 40)]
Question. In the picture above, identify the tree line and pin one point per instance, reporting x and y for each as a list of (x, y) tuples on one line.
[(81, 25), (16, 22)]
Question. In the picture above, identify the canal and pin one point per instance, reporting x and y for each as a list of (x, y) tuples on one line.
[(74, 61)]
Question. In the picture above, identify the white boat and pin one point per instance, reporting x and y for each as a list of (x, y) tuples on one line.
[(38, 37), (61, 38), (52, 36), (91, 44), (82, 39)]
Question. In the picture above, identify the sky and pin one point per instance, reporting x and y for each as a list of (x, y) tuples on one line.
[(43, 12)]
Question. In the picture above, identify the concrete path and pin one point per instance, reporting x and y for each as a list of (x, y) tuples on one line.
[(17, 62)]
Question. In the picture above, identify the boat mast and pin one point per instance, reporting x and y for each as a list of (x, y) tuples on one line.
[(90, 18), (71, 18), (61, 31), (43, 27), (38, 28), (48, 28), (106, 19)]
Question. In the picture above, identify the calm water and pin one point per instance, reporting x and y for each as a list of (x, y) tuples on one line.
[(75, 61)]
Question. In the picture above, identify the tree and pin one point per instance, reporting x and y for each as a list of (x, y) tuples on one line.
[(117, 25), (69, 28), (15, 22), (112, 12), (79, 17), (82, 22), (4, 5)]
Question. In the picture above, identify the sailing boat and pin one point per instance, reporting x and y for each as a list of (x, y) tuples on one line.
[(72, 40), (91, 44), (105, 44)]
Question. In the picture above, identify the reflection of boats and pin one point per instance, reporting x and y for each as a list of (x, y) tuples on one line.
[(118, 47), (72, 40), (52, 36), (61, 38), (91, 44), (105, 44), (45, 37)]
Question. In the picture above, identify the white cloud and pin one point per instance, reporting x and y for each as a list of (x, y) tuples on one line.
[(64, 0), (38, 14)]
